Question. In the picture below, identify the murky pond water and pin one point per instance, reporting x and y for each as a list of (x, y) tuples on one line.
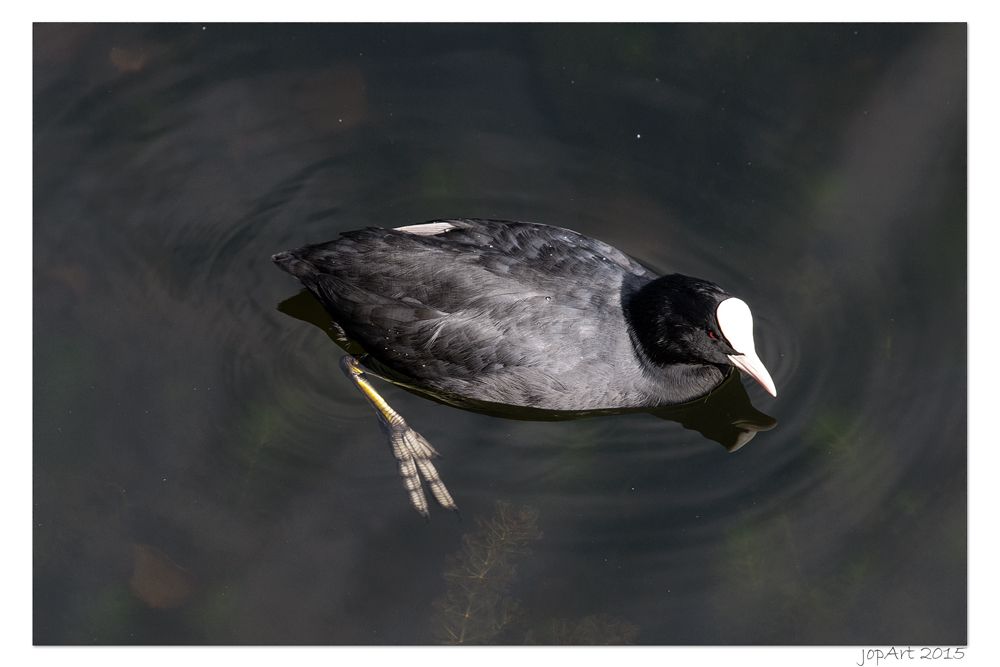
[(204, 473)]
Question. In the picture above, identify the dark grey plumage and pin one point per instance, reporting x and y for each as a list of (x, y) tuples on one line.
[(518, 313)]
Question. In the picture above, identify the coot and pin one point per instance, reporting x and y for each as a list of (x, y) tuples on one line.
[(522, 314)]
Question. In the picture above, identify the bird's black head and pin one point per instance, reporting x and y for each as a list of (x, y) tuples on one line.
[(674, 320), (681, 320)]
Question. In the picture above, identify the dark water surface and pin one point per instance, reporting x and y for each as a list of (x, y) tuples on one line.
[(204, 473)]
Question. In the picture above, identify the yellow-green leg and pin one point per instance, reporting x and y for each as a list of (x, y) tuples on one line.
[(410, 448)]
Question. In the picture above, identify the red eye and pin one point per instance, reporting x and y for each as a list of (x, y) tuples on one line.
[(712, 335)]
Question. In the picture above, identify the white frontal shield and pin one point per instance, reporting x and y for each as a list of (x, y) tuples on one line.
[(736, 324)]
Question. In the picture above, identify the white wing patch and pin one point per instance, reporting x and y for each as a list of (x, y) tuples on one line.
[(427, 228)]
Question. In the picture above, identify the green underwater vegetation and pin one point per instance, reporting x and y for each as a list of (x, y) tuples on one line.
[(477, 608), (596, 630)]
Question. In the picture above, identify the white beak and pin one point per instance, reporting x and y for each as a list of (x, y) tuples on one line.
[(736, 324)]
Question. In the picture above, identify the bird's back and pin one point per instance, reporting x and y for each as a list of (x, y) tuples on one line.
[(508, 312)]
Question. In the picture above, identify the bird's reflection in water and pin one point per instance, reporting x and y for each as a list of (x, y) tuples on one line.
[(725, 415)]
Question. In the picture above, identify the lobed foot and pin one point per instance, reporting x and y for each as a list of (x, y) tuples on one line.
[(411, 449)]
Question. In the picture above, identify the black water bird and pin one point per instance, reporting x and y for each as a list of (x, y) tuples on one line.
[(520, 314)]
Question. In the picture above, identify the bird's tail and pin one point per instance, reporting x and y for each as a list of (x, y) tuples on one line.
[(287, 261)]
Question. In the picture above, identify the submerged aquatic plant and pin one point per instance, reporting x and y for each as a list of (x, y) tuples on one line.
[(596, 630), (476, 609)]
